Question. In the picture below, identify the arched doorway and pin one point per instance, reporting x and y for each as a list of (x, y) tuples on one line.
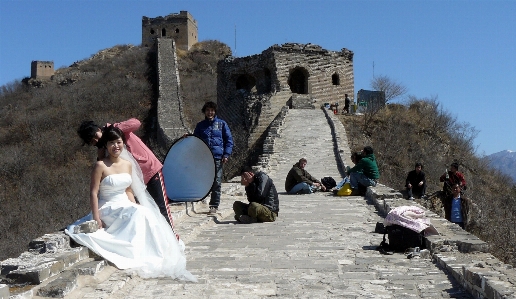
[(246, 82), (298, 81)]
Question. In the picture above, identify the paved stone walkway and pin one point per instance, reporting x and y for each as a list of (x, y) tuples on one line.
[(321, 246)]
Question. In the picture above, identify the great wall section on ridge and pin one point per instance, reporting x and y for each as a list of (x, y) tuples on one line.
[(255, 94)]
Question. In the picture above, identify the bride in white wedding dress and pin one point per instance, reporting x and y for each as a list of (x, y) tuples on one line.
[(131, 236)]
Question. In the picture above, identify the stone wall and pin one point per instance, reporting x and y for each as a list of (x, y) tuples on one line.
[(252, 90), (171, 124), (463, 255)]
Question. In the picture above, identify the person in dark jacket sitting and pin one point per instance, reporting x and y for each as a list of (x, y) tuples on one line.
[(299, 181), (262, 196), (416, 182)]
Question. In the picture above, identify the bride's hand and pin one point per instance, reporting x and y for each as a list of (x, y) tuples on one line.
[(99, 223)]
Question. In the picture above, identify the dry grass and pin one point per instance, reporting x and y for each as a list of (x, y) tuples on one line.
[(44, 169), (420, 131)]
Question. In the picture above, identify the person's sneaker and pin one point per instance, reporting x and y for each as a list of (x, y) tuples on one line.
[(411, 198), (247, 219), (423, 196), (213, 211)]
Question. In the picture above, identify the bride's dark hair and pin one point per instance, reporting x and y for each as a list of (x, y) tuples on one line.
[(111, 133)]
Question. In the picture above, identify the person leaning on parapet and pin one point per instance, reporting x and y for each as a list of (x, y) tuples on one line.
[(262, 196), (216, 134), (365, 173), (459, 209), (299, 181), (416, 182), (453, 177), (347, 103), (91, 134)]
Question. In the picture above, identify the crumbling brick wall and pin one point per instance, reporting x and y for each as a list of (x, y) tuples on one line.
[(252, 90), (171, 124)]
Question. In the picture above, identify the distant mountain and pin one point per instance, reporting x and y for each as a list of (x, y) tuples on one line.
[(505, 161)]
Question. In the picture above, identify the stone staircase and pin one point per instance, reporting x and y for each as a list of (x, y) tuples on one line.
[(54, 265), (171, 123), (270, 109)]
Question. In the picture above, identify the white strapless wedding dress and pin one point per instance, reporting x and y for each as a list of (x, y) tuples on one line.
[(134, 237)]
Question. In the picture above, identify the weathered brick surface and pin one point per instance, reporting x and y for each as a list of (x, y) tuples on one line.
[(252, 90), (171, 124)]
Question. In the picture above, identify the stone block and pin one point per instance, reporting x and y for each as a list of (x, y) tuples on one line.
[(86, 227), (496, 289), (32, 275), (90, 268), (474, 276), (4, 291), (61, 286), (50, 243), (474, 245)]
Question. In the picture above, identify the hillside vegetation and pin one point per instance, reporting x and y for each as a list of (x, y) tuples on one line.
[(44, 169), (420, 131)]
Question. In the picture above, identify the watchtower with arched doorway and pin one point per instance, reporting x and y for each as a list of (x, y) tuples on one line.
[(298, 80), (181, 27), (252, 90)]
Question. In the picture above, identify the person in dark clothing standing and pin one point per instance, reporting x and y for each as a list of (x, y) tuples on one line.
[(416, 182), (347, 102), (262, 196), (216, 134)]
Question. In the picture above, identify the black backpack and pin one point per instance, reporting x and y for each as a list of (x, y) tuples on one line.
[(401, 238), (328, 182)]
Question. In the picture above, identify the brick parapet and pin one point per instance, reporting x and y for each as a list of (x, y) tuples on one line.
[(272, 131), (460, 253), (171, 124)]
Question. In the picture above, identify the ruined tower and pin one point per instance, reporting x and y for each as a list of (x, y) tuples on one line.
[(41, 69), (252, 90), (180, 26)]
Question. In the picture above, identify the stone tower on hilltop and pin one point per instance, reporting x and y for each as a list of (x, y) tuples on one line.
[(41, 69), (181, 27)]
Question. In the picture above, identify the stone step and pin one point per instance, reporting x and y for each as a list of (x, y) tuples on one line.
[(67, 281), (4, 291), (61, 286), (36, 268)]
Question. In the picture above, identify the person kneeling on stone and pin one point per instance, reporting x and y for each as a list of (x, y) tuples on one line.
[(261, 193)]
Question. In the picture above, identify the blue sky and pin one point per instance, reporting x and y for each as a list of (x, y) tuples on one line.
[(462, 52)]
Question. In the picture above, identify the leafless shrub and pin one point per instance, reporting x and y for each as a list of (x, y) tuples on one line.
[(391, 88), (423, 132), (44, 169)]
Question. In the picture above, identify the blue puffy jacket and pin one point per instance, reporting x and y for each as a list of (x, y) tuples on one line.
[(217, 136)]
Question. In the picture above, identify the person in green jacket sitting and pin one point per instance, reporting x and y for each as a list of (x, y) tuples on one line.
[(365, 173)]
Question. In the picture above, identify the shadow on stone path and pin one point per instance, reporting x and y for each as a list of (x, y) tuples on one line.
[(321, 246)]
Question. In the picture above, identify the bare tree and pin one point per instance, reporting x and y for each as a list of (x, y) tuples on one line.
[(391, 88)]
